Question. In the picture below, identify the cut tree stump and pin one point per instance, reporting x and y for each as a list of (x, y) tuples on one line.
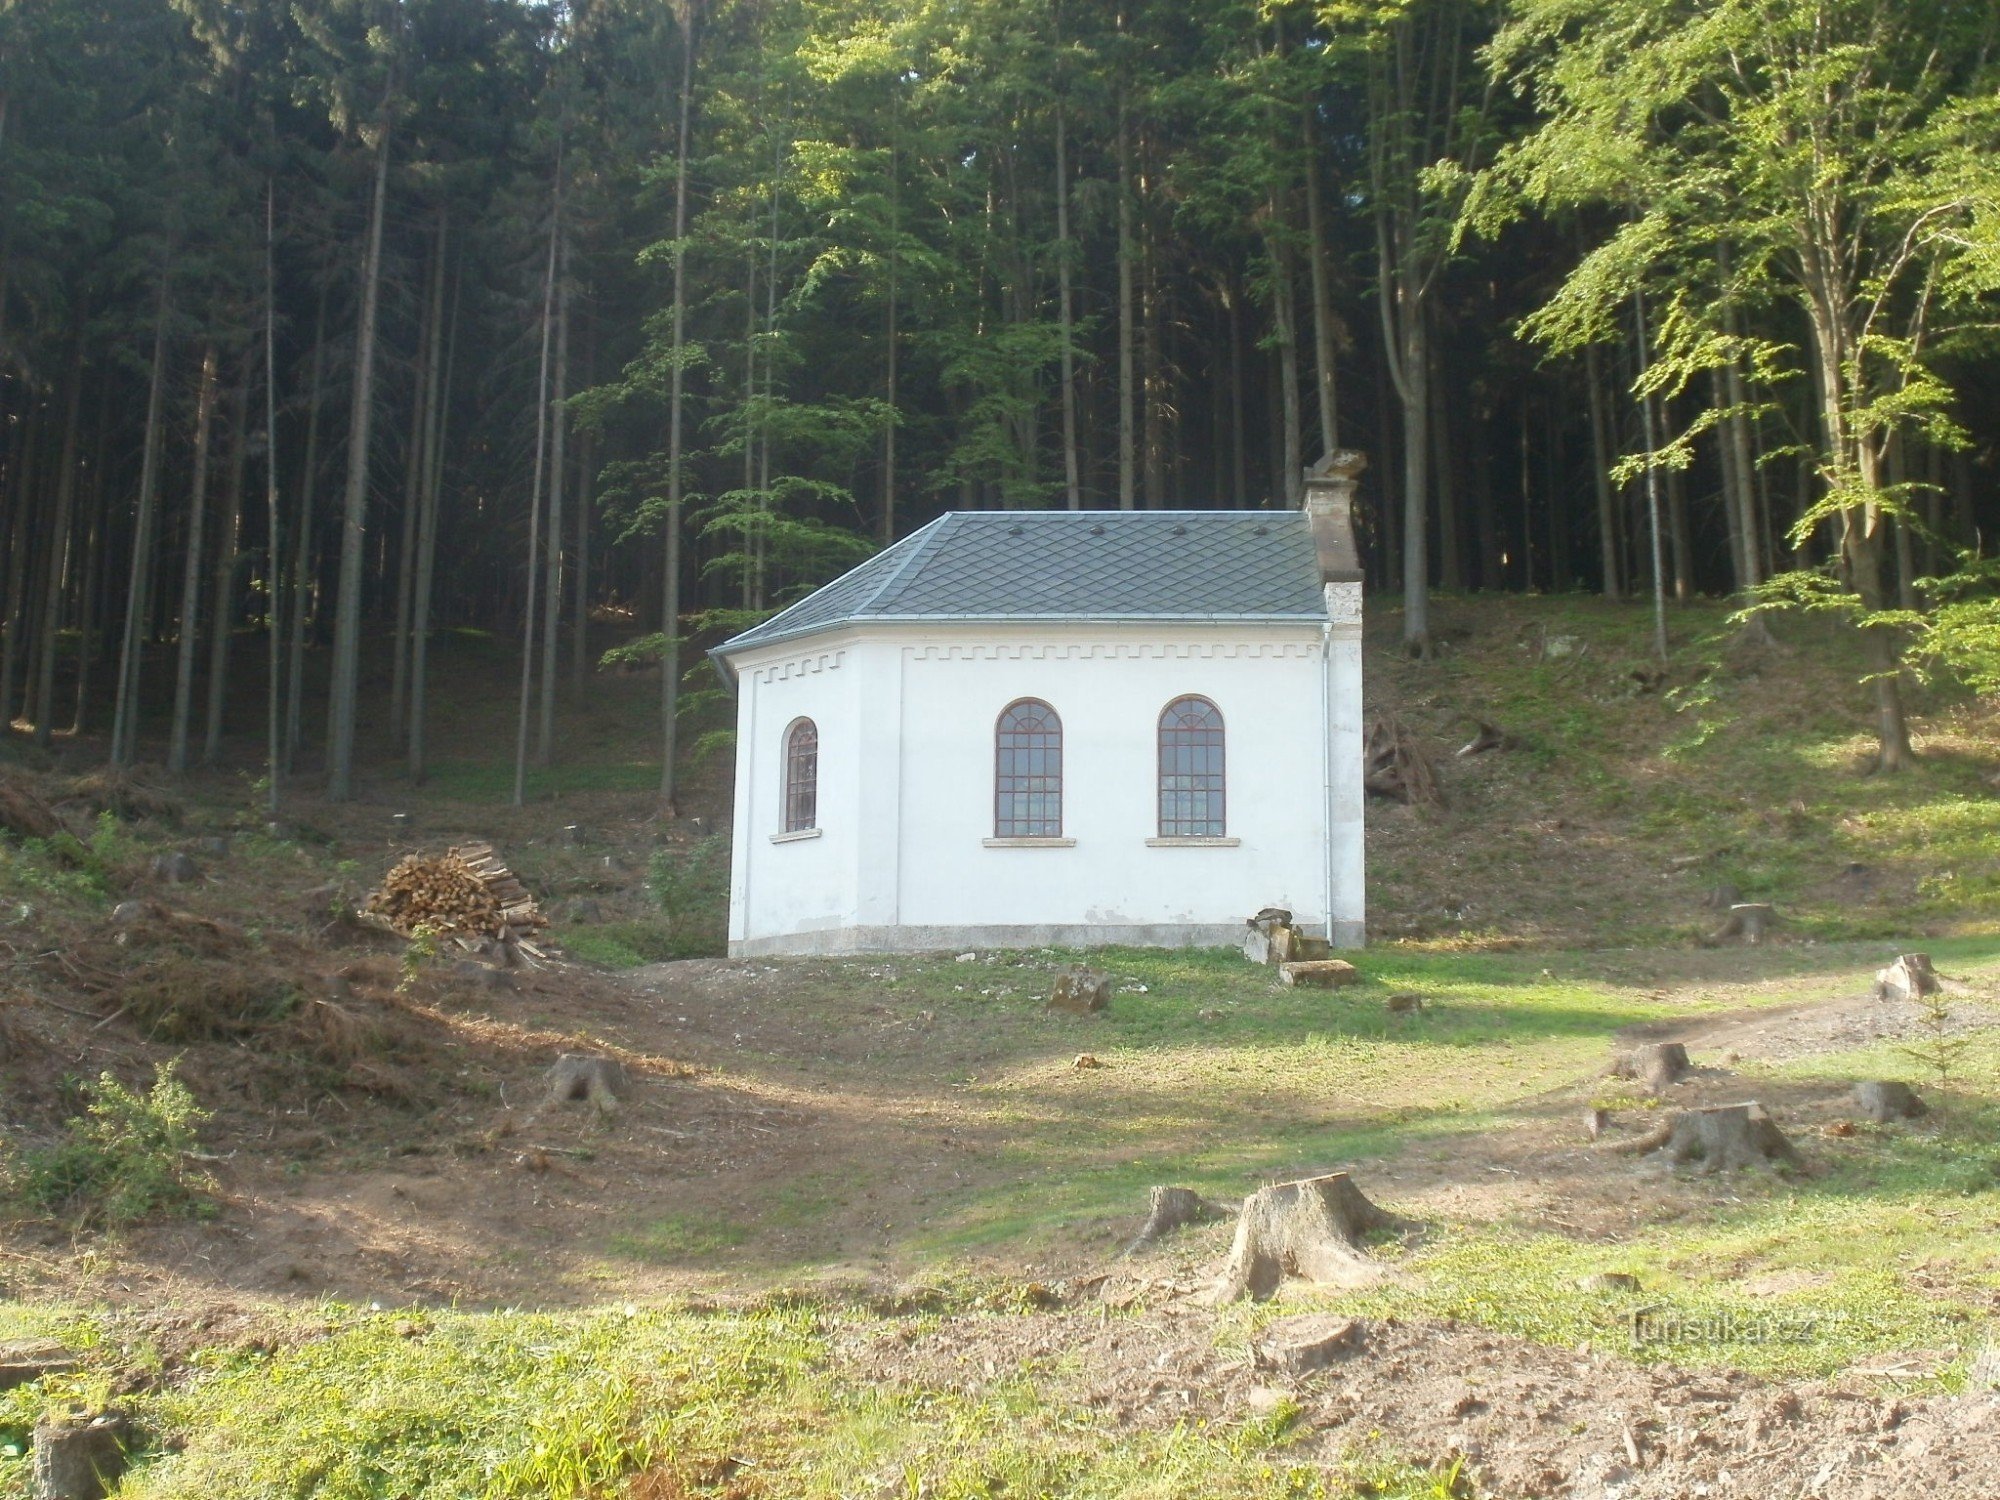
[(1312, 1229), (1659, 1066), (1298, 1346), (1749, 920), (1319, 973), (1596, 1122), (78, 1460), (25, 815), (1910, 977), (578, 1078), (1883, 1100), (1174, 1208), (1725, 1136), (1080, 992)]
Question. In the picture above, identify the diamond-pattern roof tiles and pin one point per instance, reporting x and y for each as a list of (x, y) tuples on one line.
[(1072, 565)]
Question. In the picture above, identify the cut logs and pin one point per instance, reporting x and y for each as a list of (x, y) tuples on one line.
[(464, 892), (1910, 977), (1080, 992), (1314, 1228), (1883, 1100), (1659, 1066), (1724, 1136), (1174, 1208), (25, 815)]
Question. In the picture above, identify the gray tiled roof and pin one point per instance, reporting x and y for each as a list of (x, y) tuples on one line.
[(1072, 565)]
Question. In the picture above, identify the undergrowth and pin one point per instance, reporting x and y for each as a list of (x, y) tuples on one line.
[(127, 1157)]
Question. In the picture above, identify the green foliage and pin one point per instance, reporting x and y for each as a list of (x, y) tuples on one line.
[(126, 1158), (691, 884)]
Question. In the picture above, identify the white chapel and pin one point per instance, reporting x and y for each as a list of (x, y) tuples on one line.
[(1059, 728)]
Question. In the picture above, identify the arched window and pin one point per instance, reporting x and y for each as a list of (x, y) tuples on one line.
[(801, 776), (1027, 785), (1191, 784)]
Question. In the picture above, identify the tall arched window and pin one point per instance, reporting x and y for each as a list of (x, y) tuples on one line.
[(801, 776), (1192, 802), (1027, 785)]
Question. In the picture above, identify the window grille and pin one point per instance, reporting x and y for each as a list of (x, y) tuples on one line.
[(1028, 772), (801, 776), (1192, 798)]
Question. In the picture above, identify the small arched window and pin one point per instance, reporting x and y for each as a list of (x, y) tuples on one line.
[(1192, 802), (1027, 785), (801, 776)]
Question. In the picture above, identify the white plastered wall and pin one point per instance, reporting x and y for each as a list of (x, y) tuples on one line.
[(904, 858)]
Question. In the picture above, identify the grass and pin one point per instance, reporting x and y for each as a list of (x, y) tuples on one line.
[(351, 1406)]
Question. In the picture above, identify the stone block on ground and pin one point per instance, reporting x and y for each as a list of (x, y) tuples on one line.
[(1314, 1228), (1319, 973), (1299, 1346), (1080, 992), (1883, 1100)]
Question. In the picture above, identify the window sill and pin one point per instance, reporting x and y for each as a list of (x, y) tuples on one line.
[(1193, 843), (795, 836), (1030, 843)]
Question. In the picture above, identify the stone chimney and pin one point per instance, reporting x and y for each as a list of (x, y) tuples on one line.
[(1330, 505)]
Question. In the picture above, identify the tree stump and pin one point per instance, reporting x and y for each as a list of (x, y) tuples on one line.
[(78, 1460), (1298, 1346), (1659, 1066), (1312, 1229), (1319, 973), (1749, 920), (1404, 1004), (175, 868), (1080, 992), (1910, 977), (1595, 1122), (1883, 1100), (578, 1078), (1726, 1136), (1174, 1208)]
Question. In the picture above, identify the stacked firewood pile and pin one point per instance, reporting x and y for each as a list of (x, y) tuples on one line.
[(464, 892)]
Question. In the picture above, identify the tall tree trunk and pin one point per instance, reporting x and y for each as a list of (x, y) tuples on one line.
[(889, 380), (670, 603), (416, 465), (1072, 474), (552, 585), (295, 676), (1238, 458), (1479, 465), (427, 533), (1127, 417), (94, 605), (1610, 547), (354, 508), (62, 549), (1741, 572), (1284, 330), (190, 620), (535, 486), (273, 549), (227, 556), (124, 724), (15, 606), (1653, 519), (1322, 292)]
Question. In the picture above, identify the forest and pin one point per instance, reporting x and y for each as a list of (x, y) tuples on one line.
[(329, 326)]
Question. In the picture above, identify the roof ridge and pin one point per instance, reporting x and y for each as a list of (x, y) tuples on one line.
[(896, 573)]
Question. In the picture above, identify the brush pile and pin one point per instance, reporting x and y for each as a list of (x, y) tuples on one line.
[(464, 892)]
